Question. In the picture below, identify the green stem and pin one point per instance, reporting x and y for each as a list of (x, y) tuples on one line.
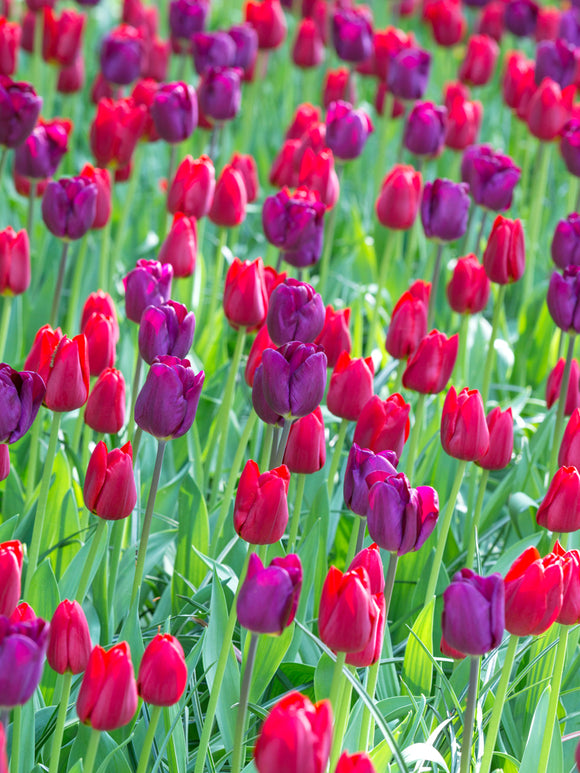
[(78, 431), (79, 272), (366, 721), (340, 724), (30, 213), (149, 738), (390, 582), (416, 433), (573, 192), (91, 755), (300, 484), (237, 754), (475, 520), (3, 160), (554, 697), (42, 501), (98, 534), (335, 463), (498, 705), (354, 535), (444, 531), (469, 715), (140, 565), (60, 720), (172, 763), (488, 367), (461, 370), (541, 169), (104, 272), (561, 405), (267, 446), (336, 684), (5, 323), (217, 281), (117, 539), (392, 245), (126, 208), (480, 232), (59, 283), (434, 286), (281, 447), (134, 393), (33, 456), (330, 227), (16, 739), (360, 538)]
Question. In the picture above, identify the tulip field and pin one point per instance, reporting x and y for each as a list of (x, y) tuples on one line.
[(289, 403)]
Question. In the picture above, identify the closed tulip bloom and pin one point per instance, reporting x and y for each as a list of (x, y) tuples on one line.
[(261, 341), (447, 21), (10, 34), (305, 451), (19, 107), (501, 440), (259, 401), (570, 148), (464, 432), (267, 18), (521, 17), (22, 655), (444, 209), (534, 589), (246, 47), (474, 612), (370, 559), (383, 425), (338, 85), (108, 697), (401, 518), (23, 613), (230, 199), (518, 82), (245, 298), (558, 60), (468, 288), (398, 201), (548, 23), (45, 342), (569, 453), (69, 207), (569, 28), (335, 335), (192, 188), (352, 33), (317, 172), (355, 763), (285, 170), (347, 610), (294, 378), (504, 258), (295, 313), (295, 736), (554, 383), (179, 249), (39, 155), (268, 598), (167, 402), (220, 93), (71, 79), (305, 116), (122, 55), (564, 299), (162, 672), (347, 130), (464, 117), (372, 652), (491, 177), (246, 166), (69, 640), (408, 73), (100, 332), (102, 179), (10, 576), (261, 506), (424, 133), (480, 59), (308, 47), (174, 111), (408, 324), (64, 366), (100, 303), (148, 284), (549, 109), (115, 131), (105, 409), (293, 222), (21, 395), (166, 329), (351, 386), (430, 366), (62, 36), (212, 49), (560, 508), (363, 469), (109, 489), (186, 17), (569, 614)]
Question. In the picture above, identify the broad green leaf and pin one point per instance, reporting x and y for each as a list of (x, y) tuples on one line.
[(536, 736), (69, 582), (323, 677), (269, 654), (44, 597), (193, 529), (418, 664)]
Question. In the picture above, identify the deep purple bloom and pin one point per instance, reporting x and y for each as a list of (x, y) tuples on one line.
[(425, 129), (569, 29), (491, 176), (245, 39), (40, 154), (570, 146), (408, 73), (167, 403), (269, 596), (21, 395), (564, 299), (148, 284), (521, 17), (444, 209), (213, 49), (347, 130), (166, 329), (294, 378), (69, 206), (294, 224), (401, 518), (363, 469), (122, 55), (558, 60), (473, 618), (19, 111), (352, 34), (295, 313), (259, 401), (220, 92), (174, 111), (22, 654), (186, 17), (566, 242)]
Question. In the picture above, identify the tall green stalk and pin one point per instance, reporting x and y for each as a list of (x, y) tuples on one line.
[(98, 535), (149, 738), (469, 715), (474, 526), (498, 705), (237, 754), (335, 463), (555, 685), (434, 285), (295, 522), (416, 433), (5, 323), (60, 720), (489, 358)]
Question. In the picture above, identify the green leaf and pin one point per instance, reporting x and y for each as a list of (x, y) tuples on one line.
[(269, 654), (424, 752), (193, 529), (69, 582), (44, 597), (131, 633), (536, 736), (418, 664), (323, 677)]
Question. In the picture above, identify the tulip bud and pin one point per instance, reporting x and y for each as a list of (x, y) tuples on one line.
[(186, 17), (521, 17), (115, 131), (501, 440), (294, 224), (230, 199), (69, 207), (40, 154), (468, 288), (219, 93), (10, 34), (548, 24), (10, 576), (478, 65), (102, 179), (212, 49), (305, 450), (100, 303), (22, 658), (162, 672), (268, 598), (347, 130), (179, 249), (108, 697), (261, 341), (259, 401), (554, 383), (408, 324), (424, 132), (261, 506), (45, 340), (549, 109), (518, 82), (464, 118), (69, 640), (122, 55), (109, 489), (165, 329), (148, 284), (338, 85), (447, 21), (352, 33), (71, 79), (383, 425), (64, 366), (355, 763), (351, 386), (444, 209), (317, 173), (347, 610), (491, 177), (295, 313), (20, 109), (192, 188), (294, 378), (473, 612), (504, 258), (246, 48), (408, 73), (570, 147), (23, 613), (363, 469), (100, 332), (245, 298), (105, 409), (22, 395), (533, 593), (267, 18), (430, 366), (569, 453), (308, 47), (560, 508), (174, 111), (398, 201), (335, 335), (464, 432), (563, 299), (569, 560), (62, 36), (558, 60)]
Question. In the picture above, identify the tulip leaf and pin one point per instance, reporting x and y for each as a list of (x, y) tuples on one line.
[(193, 529), (69, 582), (536, 736), (269, 655), (418, 662), (8, 527), (63, 498), (543, 652), (43, 596), (424, 752), (323, 677)]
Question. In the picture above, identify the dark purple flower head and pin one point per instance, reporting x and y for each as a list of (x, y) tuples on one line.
[(444, 209), (19, 111), (570, 26), (294, 378), (363, 469), (425, 129), (294, 224), (259, 401), (220, 92), (166, 329), (69, 206), (408, 73), (21, 395), (352, 34), (347, 130), (558, 60), (22, 654), (295, 313), (570, 146), (566, 242), (564, 299), (521, 17), (174, 111), (473, 618), (148, 284), (186, 17), (491, 176), (40, 154), (269, 596), (212, 49), (122, 55), (245, 39)]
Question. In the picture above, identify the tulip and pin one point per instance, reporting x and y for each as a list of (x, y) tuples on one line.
[(4, 461), (100, 303), (45, 340), (162, 672), (372, 652), (62, 36), (351, 386), (408, 73), (285, 170), (521, 17), (352, 33), (444, 209), (570, 561), (69, 207), (228, 208), (64, 366), (473, 612), (295, 313), (245, 299), (102, 179), (430, 366), (246, 166), (165, 329), (100, 332), (464, 432), (148, 284), (167, 403), (563, 299), (305, 451), (294, 378), (10, 576), (518, 82), (108, 697), (480, 59), (408, 324), (22, 654), (549, 109), (468, 288), (491, 177), (383, 425), (306, 115), (20, 108), (109, 489), (569, 453), (268, 598), (464, 118), (219, 93), (338, 85), (308, 48), (387, 44), (69, 640), (363, 469), (116, 130), (447, 21), (212, 49), (259, 401), (23, 613), (192, 188), (294, 224), (179, 250), (122, 55), (261, 341), (548, 23), (569, 148), (347, 611), (295, 736), (186, 17), (569, 28), (317, 173), (534, 589), (143, 94), (261, 506), (501, 440), (424, 132), (71, 79), (557, 60), (39, 155), (347, 130), (105, 409), (554, 383), (355, 763), (491, 20), (267, 18), (560, 508), (174, 111), (21, 397), (246, 42), (335, 335), (398, 201), (504, 258), (10, 33)]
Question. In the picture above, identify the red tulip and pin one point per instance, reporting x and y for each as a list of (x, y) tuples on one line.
[(430, 366), (560, 508), (229, 203), (464, 432), (351, 386), (105, 409), (261, 506), (69, 640), (163, 671), (533, 593), (335, 335), (10, 575), (383, 425), (109, 489), (468, 288), (348, 610), (245, 299), (398, 201), (504, 258), (180, 246), (306, 445)]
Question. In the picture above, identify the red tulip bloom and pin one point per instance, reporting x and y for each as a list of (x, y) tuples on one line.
[(533, 593), (109, 489), (163, 671), (464, 432), (261, 506), (245, 300), (560, 508)]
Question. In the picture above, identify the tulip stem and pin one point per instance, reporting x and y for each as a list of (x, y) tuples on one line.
[(561, 405), (416, 433), (279, 456), (336, 684), (100, 531), (335, 463), (42, 501), (329, 229), (5, 324), (469, 715), (4, 159), (91, 755), (392, 246), (362, 526), (16, 734), (340, 724), (475, 520), (480, 231), (140, 565), (354, 537), (238, 752), (460, 373), (60, 720), (488, 367), (390, 582), (30, 213), (434, 286), (444, 531), (217, 280), (33, 456), (79, 271), (367, 720), (555, 684), (498, 705), (231, 484), (59, 283), (149, 738), (300, 483), (541, 170), (134, 393)]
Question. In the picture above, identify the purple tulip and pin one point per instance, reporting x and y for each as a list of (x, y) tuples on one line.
[(186, 17), (174, 111), (19, 111), (425, 129), (167, 403), (558, 60), (122, 55), (491, 176), (166, 329), (569, 29), (21, 395), (22, 654), (363, 469), (295, 313), (148, 284), (566, 242), (245, 39), (521, 17), (408, 73), (347, 130), (269, 596), (294, 224), (401, 518), (570, 146), (444, 209), (352, 34), (40, 154), (220, 93), (294, 378), (564, 299), (212, 49), (259, 401), (69, 206), (473, 612)]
